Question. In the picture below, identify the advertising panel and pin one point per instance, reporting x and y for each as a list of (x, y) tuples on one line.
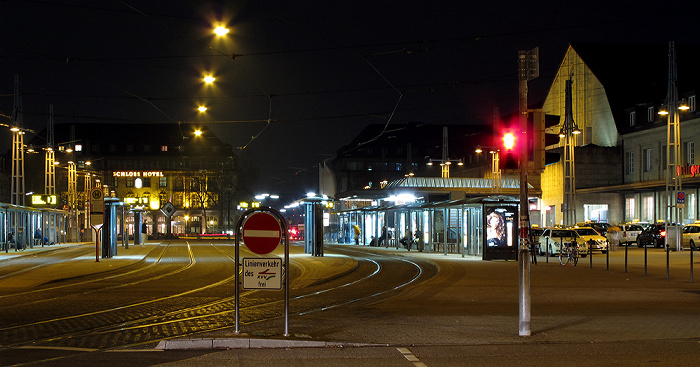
[(501, 234)]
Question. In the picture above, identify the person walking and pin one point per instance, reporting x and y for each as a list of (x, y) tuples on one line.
[(356, 230)]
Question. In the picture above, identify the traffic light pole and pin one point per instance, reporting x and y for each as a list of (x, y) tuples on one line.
[(528, 69)]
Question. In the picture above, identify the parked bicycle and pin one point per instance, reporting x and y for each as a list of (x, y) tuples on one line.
[(569, 254)]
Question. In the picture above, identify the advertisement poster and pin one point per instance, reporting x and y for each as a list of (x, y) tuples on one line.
[(501, 223)]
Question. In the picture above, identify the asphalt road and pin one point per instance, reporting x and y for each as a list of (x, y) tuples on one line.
[(374, 306)]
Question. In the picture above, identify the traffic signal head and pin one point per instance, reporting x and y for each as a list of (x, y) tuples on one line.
[(508, 141)]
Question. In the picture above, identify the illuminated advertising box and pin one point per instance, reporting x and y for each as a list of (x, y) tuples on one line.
[(501, 234)]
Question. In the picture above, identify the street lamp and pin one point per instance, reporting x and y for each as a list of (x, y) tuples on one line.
[(495, 166)]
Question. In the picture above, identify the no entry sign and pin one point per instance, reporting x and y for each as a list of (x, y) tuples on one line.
[(261, 233)]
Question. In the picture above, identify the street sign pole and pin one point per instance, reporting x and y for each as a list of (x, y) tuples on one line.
[(262, 229)]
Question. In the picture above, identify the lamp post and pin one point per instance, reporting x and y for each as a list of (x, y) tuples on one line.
[(673, 152), (495, 166)]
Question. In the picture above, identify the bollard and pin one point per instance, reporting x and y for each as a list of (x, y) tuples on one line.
[(590, 254), (645, 260), (626, 248), (668, 264), (691, 264), (547, 258), (607, 257)]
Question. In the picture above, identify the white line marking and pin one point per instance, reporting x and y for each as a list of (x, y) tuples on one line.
[(410, 357), (260, 233)]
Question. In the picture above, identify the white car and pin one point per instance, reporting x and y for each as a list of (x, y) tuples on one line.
[(551, 239), (629, 232), (592, 237), (691, 236)]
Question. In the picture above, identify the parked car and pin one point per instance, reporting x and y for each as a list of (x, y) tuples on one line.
[(653, 235), (629, 233), (595, 240), (552, 238), (600, 227), (691, 236)]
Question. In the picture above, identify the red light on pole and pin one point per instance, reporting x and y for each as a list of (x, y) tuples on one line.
[(508, 141)]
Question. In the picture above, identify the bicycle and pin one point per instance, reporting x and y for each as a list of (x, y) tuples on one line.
[(569, 254)]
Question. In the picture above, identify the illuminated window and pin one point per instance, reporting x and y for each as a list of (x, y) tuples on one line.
[(633, 118), (630, 209), (649, 209), (163, 182), (163, 148)]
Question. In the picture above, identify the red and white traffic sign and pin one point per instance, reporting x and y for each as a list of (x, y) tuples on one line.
[(261, 233)]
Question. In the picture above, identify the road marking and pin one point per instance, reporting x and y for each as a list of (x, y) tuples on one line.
[(410, 357), (73, 349)]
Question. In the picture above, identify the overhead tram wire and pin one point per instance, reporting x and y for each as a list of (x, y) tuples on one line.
[(221, 53)]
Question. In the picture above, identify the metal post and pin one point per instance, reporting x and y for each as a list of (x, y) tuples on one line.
[(528, 69), (590, 252), (627, 247), (668, 264), (691, 264), (607, 258), (645, 260)]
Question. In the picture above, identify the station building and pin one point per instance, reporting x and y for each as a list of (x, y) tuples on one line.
[(619, 166), (144, 166)]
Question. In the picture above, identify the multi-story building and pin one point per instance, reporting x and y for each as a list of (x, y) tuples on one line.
[(620, 155), (145, 166)]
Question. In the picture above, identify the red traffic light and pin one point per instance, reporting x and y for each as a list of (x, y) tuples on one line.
[(508, 141)]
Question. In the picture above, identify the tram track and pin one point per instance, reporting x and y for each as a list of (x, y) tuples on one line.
[(217, 314)]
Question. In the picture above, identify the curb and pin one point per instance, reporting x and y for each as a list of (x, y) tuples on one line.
[(249, 343)]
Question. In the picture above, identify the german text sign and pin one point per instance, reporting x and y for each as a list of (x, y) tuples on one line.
[(262, 273), (261, 233), (97, 206)]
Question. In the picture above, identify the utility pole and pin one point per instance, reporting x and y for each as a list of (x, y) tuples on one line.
[(528, 69), (49, 166), (569, 132), (673, 153), (17, 147)]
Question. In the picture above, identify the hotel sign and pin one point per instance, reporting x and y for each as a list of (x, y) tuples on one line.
[(691, 171), (137, 174)]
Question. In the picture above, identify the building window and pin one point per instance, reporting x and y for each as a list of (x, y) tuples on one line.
[(647, 160), (146, 148), (95, 148), (650, 114), (129, 148), (112, 148), (163, 182), (633, 118), (649, 209), (630, 209), (129, 182), (630, 163), (399, 166), (663, 154), (690, 152), (146, 182), (691, 103), (163, 148)]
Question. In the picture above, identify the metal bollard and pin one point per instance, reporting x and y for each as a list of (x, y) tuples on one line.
[(590, 254), (547, 258), (607, 257), (691, 264), (645, 260), (668, 263)]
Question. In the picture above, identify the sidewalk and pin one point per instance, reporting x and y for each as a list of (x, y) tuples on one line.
[(476, 302)]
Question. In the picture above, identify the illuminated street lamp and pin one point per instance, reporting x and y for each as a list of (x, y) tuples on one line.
[(221, 31), (495, 166), (202, 108), (209, 79)]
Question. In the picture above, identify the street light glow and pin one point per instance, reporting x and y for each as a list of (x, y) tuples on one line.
[(202, 108), (221, 31), (198, 132), (209, 79)]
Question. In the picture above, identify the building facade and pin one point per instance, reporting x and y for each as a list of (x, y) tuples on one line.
[(145, 166)]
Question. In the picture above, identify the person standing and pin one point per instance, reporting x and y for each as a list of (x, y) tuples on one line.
[(356, 230)]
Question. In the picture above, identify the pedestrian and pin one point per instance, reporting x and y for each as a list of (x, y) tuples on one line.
[(383, 237), (144, 232), (356, 229)]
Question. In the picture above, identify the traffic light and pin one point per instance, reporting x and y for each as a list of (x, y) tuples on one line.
[(508, 141), (509, 152)]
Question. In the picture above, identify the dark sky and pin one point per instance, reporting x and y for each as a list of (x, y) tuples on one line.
[(319, 71)]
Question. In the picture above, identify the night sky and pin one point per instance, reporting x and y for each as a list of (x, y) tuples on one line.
[(318, 71)]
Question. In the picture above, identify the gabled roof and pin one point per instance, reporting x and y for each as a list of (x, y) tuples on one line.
[(638, 74)]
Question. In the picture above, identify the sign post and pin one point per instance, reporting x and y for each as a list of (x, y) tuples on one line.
[(262, 230), (97, 216)]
